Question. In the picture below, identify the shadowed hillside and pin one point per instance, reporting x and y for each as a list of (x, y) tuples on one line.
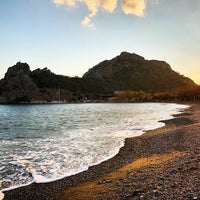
[(132, 72)]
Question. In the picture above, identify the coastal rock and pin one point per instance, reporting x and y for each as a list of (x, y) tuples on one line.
[(17, 86)]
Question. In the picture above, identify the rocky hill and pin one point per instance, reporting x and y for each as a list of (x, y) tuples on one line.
[(126, 72), (132, 72), (17, 86)]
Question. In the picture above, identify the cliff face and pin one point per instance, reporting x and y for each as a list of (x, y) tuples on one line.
[(132, 72), (17, 86)]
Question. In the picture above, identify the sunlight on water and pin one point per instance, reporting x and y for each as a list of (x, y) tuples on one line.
[(42, 143)]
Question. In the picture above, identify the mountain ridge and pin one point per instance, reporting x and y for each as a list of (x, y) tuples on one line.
[(141, 74), (125, 72)]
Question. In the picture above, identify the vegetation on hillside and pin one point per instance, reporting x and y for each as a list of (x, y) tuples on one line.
[(58, 87), (127, 77), (54, 87)]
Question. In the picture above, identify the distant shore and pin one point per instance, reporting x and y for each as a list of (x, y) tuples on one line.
[(191, 102), (160, 164)]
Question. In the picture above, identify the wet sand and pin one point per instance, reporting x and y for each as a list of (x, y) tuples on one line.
[(160, 164)]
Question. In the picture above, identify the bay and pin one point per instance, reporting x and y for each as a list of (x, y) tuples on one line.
[(43, 143)]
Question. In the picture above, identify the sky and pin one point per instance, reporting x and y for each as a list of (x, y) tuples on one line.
[(71, 36)]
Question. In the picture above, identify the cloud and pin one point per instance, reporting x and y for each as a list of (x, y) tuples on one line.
[(93, 6), (132, 7), (109, 5), (67, 2), (87, 22)]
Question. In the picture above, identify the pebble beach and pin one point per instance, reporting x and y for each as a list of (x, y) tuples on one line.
[(160, 164)]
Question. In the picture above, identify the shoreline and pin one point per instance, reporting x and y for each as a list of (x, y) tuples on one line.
[(135, 148), (41, 102)]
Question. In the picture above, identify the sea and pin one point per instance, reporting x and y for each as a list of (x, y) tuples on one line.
[(43, 143)]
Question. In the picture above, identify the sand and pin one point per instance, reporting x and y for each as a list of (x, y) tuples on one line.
[(160, 164)]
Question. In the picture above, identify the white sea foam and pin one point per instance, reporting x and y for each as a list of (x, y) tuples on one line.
[(47, 143)]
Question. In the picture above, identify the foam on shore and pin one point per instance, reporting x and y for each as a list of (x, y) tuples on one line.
[(51, 170), (134, 148)]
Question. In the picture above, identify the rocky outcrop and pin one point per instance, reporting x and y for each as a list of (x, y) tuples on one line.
[(108, 68), (132, 72), (17, 86)]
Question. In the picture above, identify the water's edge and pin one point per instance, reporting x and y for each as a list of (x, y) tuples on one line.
[(162, 124)]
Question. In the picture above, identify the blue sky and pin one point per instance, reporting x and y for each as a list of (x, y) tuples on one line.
[(71, 36)]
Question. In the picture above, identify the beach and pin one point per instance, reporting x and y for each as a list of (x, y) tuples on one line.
[(160, 164)]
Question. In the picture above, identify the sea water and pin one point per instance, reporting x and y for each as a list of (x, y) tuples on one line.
[(43, 143)]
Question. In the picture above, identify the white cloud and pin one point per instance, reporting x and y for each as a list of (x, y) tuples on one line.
[(87, 22), (67, 2), (94, 6), (109, 5), (133, 7)]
